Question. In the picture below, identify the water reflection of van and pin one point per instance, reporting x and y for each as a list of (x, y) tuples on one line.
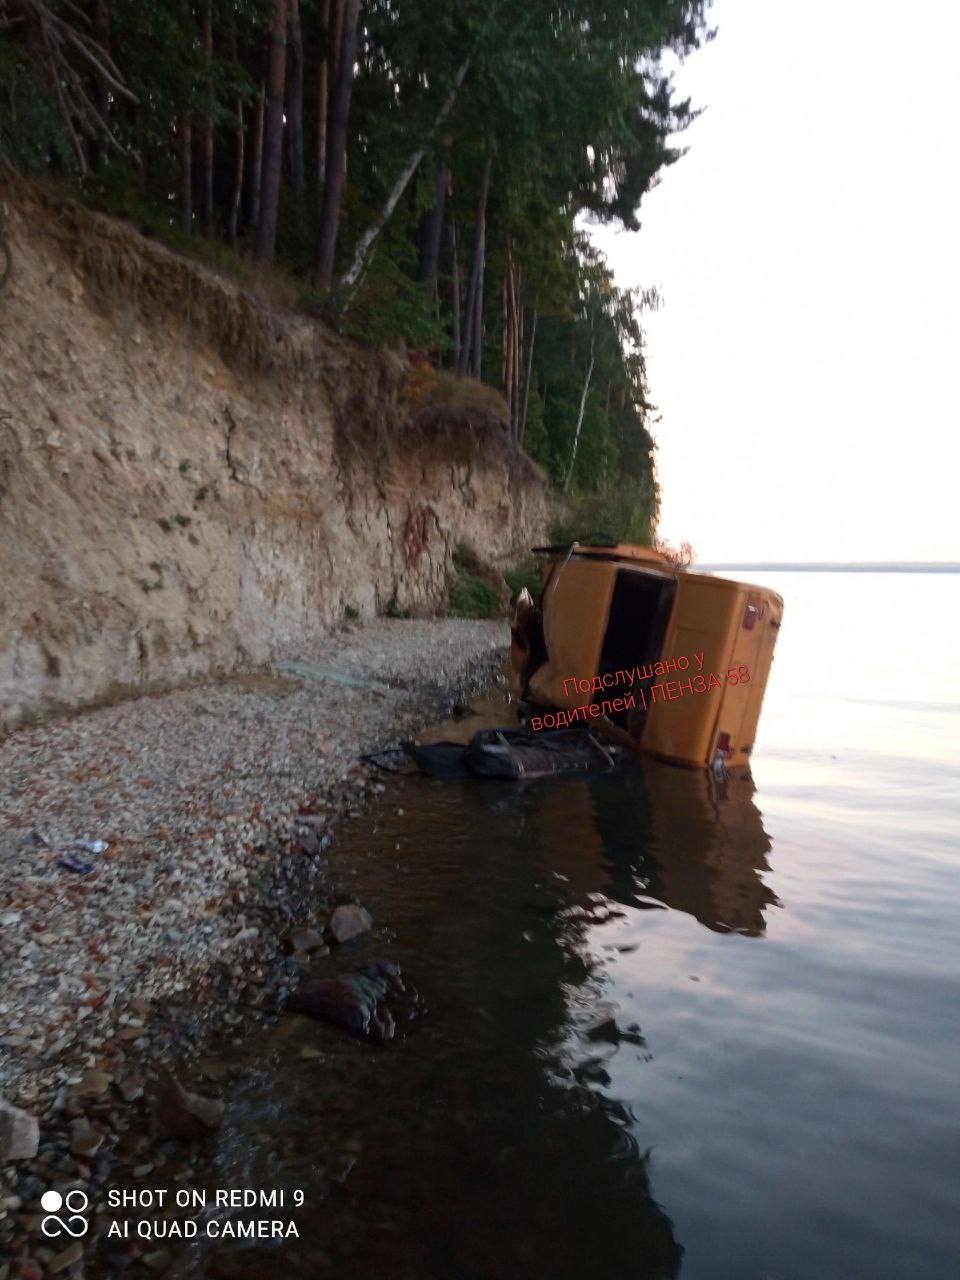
[(671, 837), (679, 659)]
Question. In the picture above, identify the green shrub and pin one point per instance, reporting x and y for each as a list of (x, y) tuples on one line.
[(424, 387), (471, 597), (626, 513), (526, 573)]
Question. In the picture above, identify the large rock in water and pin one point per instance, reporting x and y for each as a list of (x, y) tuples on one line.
[(349, 921), (188, 1115), (370, 1001), (19, 1134)]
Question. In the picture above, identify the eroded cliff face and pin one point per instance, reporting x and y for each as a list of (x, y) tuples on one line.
[(191, 482)]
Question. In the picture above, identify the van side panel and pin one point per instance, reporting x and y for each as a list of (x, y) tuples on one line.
[(703, 622), (733, 625), (576, 605)]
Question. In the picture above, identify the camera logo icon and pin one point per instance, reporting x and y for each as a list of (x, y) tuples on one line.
[(76, 1205)]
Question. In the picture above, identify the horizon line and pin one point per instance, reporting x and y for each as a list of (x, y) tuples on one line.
[(943, 565)]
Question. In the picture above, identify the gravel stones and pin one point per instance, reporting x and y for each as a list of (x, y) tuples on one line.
[(65, 1258), (93, 1084), (198, 795), (216, 805), (85, 1141), (130, 1087), (19, 1134), (305, 942)]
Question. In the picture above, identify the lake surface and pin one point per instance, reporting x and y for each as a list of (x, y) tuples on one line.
[(674, 1028)]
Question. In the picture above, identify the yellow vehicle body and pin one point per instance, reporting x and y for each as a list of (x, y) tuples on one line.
[(699, 649)]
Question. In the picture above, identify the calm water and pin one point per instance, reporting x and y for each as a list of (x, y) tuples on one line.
[(673, 1029)]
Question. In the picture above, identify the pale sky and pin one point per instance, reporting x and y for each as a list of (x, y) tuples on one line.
[(806, 359)]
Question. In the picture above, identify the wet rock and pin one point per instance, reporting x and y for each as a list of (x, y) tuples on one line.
[(592, 1071), (159, 1260), (188, 1115), (93, 1084), (241, 1264), (30, 1187), (611, 1032), (84, 1139), (66, 1258), (304, 940), (19, 1134), (114, 1254), (350, 921), (214, 1069), (129, 1087), (369, 1001), (306, 841)]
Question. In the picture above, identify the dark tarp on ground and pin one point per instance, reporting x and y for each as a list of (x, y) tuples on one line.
[(514, 754)]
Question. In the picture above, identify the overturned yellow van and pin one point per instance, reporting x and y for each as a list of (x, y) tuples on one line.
[(677, 659)]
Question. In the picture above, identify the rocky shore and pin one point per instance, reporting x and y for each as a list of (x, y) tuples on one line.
[(162, 883)]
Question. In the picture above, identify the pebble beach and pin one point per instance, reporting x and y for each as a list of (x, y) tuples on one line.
[(162, 879)]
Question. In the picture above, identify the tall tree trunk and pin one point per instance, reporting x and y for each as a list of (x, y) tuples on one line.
[(455, 287), (476, 270), (366, 240), (431, 230), (528, 379), (100, 90), (323, 94), (233, 218), (583, 405), (509, 345), (186, 174), (206, 137), (512, 341), (273, 136), (339, 117), (239, 155), (476, 367), (517, 353), (295, 95), (336, 40), (256, 162)]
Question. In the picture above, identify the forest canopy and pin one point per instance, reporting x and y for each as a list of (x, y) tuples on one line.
[(420, 171)]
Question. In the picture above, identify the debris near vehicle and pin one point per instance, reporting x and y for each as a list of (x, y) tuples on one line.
[(79, 857), (514, 754)]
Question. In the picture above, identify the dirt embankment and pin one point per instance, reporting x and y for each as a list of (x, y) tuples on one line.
[(192, 482)]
